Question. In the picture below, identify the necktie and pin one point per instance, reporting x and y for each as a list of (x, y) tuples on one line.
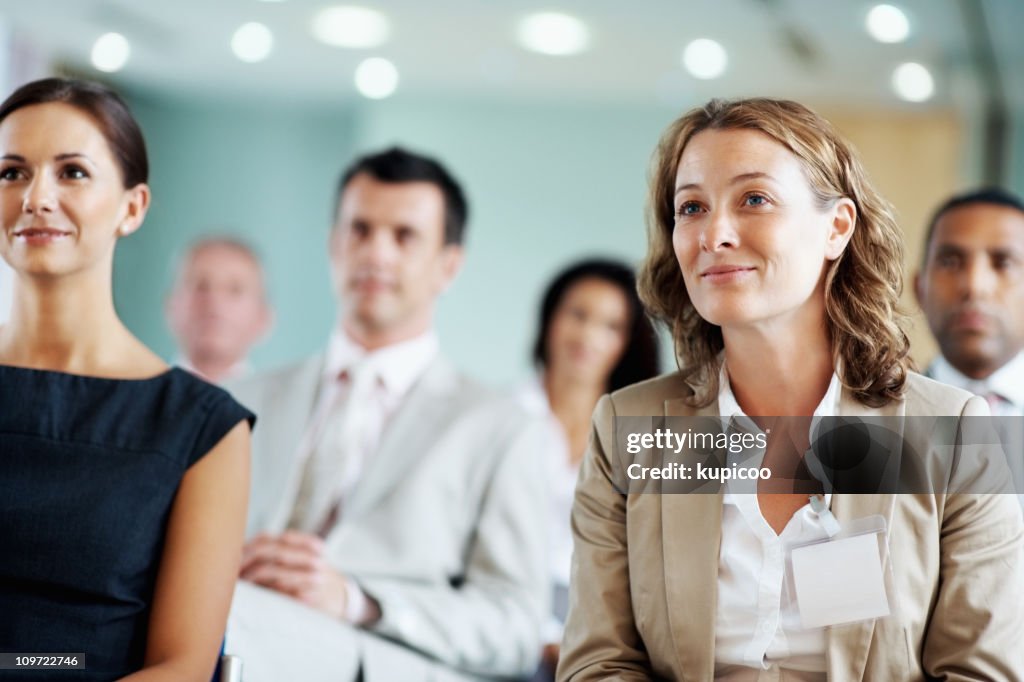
[(336, 461), (996, 403)]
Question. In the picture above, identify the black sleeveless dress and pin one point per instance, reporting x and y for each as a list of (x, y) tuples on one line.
[(89, 469)]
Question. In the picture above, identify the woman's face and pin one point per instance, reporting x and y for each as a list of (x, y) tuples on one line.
[(750, 239), (588, 331), (62, 199)]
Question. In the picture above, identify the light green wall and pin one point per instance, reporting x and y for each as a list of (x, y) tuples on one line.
[(1016, 161), (265, 172), (547, 183)]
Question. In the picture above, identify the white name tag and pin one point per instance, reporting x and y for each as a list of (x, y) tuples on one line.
[(839, 581)]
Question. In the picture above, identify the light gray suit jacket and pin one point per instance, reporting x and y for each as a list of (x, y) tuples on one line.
[(446, 526), (645, 567)]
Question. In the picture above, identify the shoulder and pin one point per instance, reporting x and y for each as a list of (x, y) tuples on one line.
[(443, 381), (179, 393), (274, 377), (531, 396), (277, 382), (647, 398), (212, 410), (471, 404), (927, 397)]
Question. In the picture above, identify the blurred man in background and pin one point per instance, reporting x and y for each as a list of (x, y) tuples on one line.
[(398, 507), (218, 308), (971, 289)]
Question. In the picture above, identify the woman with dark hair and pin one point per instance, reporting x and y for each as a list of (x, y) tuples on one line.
[(778, 268), (593, 337), (123, 483)]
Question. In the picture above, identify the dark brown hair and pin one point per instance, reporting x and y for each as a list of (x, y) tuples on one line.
[(106, 107), (397, 165), (640, 357)]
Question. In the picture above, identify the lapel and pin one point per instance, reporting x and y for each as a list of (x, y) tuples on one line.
[(847, 646), (690, 552), (292, 405), (413, 431)]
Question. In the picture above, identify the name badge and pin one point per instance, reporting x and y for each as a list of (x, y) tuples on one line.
[(842, 579)]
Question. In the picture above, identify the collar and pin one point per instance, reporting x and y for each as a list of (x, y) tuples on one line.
[(532, 396), (398, 365), (1007, 381), (239, 370), (728, 407)]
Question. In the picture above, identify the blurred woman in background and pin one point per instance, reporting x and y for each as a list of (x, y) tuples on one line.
[(592, 338), (123, 483)]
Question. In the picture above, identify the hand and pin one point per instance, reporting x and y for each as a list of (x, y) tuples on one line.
[(294, 564), (549, 656)]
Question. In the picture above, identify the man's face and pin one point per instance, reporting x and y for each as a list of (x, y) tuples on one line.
[(218, 309), (388, 258), (972, 287)]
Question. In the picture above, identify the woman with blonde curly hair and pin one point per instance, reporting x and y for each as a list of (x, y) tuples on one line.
[(777, 266)]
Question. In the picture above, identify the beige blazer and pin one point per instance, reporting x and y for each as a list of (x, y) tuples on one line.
[(445, 528), (645, 566)]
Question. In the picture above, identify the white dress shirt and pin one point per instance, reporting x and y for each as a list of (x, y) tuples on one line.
[(1004, 391), (394, 369), (561, 484), (758, 635), (1007, 383)]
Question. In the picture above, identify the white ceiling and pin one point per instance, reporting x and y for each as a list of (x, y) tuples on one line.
[(460, 47)]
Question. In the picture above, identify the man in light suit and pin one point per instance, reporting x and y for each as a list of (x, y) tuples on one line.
[(398, 507)]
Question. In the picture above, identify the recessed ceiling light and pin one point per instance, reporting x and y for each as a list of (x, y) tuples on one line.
[(913, 82), (252, 42), (357, 27), (110, 52), (376, 78), (553, 33), (705, 58), (888, 24)]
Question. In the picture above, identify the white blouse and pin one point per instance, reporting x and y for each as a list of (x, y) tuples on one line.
[(561, 478), (758, 635)]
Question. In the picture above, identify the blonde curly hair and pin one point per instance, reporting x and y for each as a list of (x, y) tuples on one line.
[(870, 348)]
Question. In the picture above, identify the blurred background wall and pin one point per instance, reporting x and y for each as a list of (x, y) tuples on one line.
[(553, 149)]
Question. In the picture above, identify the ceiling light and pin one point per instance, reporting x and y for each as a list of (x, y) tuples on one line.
[(553, 33), (110, 52), (351, 27), (913, 82), (252, 42), (705, 59), (888, 24), (376, 78)]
